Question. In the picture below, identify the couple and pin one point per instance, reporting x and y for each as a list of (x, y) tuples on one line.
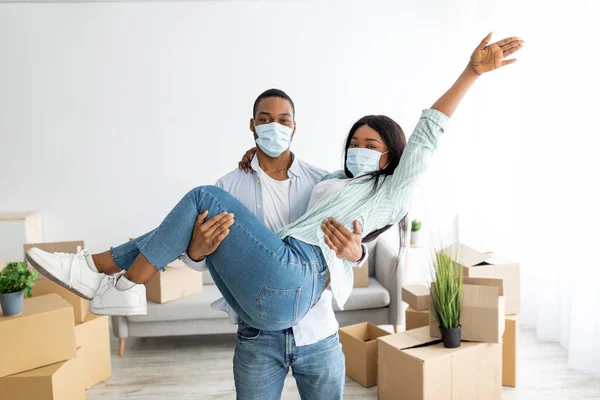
[(274, 280)]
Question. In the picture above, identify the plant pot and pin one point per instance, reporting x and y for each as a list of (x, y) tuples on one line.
[(414, 237), (451, 337), (12, 303)]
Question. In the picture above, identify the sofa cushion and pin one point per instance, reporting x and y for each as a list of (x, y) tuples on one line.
[(196, 306), (372, 296)]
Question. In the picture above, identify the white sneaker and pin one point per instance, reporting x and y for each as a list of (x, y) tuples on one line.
[(117, 295), (71, 271)]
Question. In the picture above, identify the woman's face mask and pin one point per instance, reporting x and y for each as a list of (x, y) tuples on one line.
[(363, 161), (273, 138)]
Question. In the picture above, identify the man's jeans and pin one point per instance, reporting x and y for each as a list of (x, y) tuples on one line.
[(263, 358), (269, 282)]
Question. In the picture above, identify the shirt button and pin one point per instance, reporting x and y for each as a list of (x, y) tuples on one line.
[(259, 206)]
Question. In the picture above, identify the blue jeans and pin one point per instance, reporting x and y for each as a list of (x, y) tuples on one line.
[(263, 358), (269, 282)]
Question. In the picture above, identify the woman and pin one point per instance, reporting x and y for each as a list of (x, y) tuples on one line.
[(272, 280)]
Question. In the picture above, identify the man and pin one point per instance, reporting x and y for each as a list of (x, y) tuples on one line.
[(278, 193)]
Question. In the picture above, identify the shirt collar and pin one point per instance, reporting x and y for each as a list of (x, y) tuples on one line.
[(293, 170)]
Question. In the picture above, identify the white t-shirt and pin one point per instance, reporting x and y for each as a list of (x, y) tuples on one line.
[(276, 201), (324, 190)]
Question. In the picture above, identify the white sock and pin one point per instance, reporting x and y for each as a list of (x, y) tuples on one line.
[(91, 263), (124, 283)]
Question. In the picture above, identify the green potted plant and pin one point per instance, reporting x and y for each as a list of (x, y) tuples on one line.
[(15, 280), (446, 298), (414, 231)]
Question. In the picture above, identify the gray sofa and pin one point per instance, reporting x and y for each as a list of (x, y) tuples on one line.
[(380, 303)]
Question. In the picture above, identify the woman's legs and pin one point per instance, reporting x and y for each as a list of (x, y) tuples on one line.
[(269, 281)]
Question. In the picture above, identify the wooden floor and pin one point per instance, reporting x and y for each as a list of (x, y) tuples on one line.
[(200, 367)]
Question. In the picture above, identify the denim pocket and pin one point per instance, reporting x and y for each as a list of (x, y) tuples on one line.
[(279, 305), (324, 272), (247, 332)]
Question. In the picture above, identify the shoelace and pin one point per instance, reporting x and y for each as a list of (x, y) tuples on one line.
[(80, 253)]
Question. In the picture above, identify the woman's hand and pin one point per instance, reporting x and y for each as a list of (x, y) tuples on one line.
[(488, 57), (246, 163), (347, 245)]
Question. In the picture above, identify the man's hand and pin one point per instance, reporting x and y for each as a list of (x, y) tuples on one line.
[(346, 244), (246, 163), (207, 236)]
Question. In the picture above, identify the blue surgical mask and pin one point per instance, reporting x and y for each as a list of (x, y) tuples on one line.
[(363, 161), (273, 138)]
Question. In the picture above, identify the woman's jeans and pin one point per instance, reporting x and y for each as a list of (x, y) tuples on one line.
[(269, 282)]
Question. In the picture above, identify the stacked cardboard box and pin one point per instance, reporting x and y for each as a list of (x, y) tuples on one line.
[(359, 343), (175, 282), (416, 366), (361, 275), (479, 264), (39, 352), (417, 298), (93, 336), (59, 381), (482, 311)]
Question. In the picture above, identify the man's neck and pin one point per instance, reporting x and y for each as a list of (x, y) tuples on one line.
[(276, 168)]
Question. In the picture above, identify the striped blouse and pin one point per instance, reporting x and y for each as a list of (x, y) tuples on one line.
[(354, 201)]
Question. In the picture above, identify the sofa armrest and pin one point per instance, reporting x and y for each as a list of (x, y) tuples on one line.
[(120, 327), (386, 260)]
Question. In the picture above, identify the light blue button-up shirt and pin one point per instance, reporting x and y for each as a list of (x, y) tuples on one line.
[(320, 322)]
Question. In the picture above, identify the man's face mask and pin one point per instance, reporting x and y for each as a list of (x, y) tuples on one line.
[(273, 138)]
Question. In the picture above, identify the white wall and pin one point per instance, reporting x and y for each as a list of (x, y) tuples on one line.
[(111, 112)]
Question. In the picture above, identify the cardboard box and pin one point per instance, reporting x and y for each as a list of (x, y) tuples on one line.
[(415, 366), (80, 306), (416, 296), (510, 344), (60, 381), (416, 319), (482, 312), (94, 339), (361, 275), (175, 282), (54, 247), (477, 264), (359, 343), (43, 334)]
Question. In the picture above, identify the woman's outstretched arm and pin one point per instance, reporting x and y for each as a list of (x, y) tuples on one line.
[(421, 145), (485, 58)]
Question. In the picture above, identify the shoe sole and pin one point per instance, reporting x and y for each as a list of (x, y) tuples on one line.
[(119, 311), (54, 279)]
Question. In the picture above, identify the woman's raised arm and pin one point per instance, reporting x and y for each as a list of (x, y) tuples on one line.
[(485, 58)]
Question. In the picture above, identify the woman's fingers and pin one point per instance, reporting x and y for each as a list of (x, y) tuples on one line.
[(507, 62), (511, 45), (507, 40), (485, 41), (511, 51)]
